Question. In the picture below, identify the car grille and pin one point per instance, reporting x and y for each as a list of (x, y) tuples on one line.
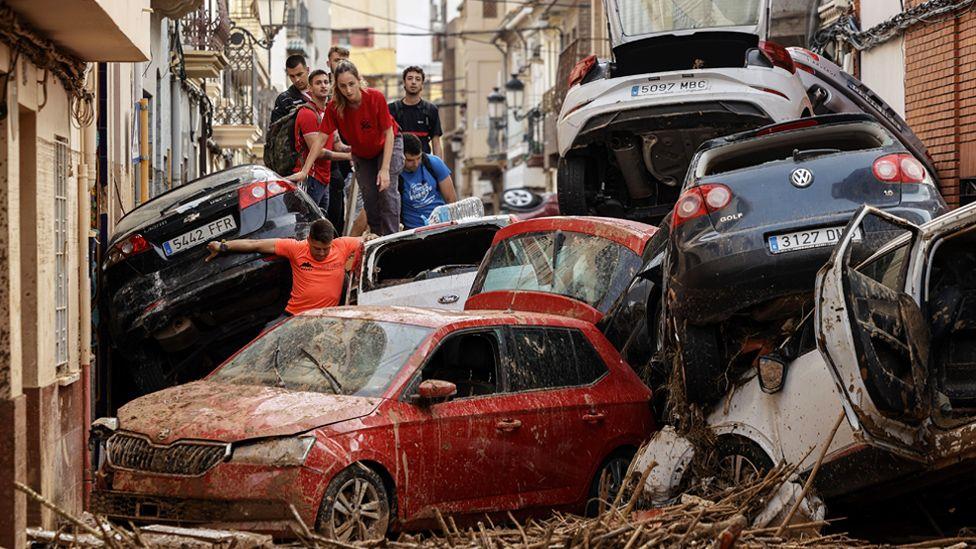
[(134, 452)]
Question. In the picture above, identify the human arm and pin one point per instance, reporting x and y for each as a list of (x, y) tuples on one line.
[(435, 146), (446, 187), (317, 144), (435, 133), (243, 246), (383, 177)]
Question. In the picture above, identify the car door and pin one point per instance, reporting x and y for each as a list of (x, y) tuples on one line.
[(873, 334)]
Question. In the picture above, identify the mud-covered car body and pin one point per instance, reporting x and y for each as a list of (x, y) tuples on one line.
[(537, 406), (888, 353), (760, 211), (171, 315), (682, 73), (431, 266)]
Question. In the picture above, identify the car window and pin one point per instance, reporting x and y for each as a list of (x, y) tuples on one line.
[(548, 358), (325, 355), (646, 16), (889, 268), (469, 360), (588, 268)]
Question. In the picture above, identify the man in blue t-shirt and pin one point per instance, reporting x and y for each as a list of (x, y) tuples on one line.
[(425, 183)]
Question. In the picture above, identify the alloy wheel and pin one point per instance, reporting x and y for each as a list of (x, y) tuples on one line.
[(357, 513)]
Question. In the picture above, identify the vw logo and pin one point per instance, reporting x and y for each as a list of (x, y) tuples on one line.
[(801, 178)]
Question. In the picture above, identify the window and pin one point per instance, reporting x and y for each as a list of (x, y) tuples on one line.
[(549, 358), (646, 16), (469, 360), (489, 9), (888, 269), (61, 252)]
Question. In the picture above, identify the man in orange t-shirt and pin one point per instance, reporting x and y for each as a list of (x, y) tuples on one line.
[(318, 264)]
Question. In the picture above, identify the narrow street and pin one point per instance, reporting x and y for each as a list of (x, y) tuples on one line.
[(479, 273)]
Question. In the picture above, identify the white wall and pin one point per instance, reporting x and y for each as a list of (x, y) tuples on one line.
[(413, 50), (883, 67)]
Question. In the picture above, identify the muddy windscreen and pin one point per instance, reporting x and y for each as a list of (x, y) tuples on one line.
[(653, 16), (326, 355), (588, 268)]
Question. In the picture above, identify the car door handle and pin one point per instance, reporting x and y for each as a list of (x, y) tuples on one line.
[(447, 299), (594, 417), (508, 425)]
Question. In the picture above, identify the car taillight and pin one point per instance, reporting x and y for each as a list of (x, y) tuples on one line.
[(581, 69), (249, 195), (699, 201), (778, 55), (900, 168), (132, 245)]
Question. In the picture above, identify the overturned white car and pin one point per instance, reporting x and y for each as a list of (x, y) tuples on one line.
[(891, 347), (683, 72)]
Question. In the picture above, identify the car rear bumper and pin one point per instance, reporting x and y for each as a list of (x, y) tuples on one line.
[(736, 90), (719, 274)]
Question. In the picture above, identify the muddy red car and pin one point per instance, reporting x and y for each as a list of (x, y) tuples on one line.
[(369, 419)]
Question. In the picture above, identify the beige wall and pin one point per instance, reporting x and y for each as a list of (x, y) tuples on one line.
[(343, 18), (479, 66)]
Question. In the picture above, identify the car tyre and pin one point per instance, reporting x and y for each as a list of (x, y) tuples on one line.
[(703, 360), (615, 468), (740, 461), (355, 507), (571, 186)]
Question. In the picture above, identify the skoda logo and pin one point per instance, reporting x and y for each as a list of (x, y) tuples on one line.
[(163, 434), (801, 178)]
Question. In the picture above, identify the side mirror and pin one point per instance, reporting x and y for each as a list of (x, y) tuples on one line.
[(772, 372), (434, 389)]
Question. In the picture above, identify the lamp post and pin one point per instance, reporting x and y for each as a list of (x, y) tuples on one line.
[(272, 16), (514, 94)]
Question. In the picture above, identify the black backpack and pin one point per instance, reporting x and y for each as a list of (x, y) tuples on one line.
[(279, 146)]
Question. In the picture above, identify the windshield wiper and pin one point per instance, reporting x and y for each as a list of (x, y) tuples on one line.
[(274, 363), (333, 382)]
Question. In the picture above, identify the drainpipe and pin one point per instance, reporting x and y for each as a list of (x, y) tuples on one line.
[(176, 138), (143, 150), (86, 182)]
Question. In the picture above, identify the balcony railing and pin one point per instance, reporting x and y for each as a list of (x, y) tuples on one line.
[(240, 82), (206, 31), (571, 54)]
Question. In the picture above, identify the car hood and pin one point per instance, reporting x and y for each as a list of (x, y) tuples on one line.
[(230, 413)]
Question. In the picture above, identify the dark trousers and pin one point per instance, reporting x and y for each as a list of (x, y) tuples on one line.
[(337, 213), (382, 208), (318, 192)]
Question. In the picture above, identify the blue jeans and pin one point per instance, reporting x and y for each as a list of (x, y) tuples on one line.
[(319, 193)]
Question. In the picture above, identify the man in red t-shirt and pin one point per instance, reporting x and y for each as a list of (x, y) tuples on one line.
[(363, 119), (308, 124), (318, 264)]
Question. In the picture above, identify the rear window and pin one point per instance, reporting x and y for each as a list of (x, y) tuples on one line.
[(434, 255), (584, 267), (649, 16), (812, 142)]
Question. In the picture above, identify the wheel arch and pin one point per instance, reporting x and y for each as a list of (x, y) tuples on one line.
[(752, 436)]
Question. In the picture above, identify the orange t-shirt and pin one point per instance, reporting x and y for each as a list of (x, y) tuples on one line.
[(316, 284)]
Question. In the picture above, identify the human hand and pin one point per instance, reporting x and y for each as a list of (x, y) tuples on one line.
[(214, 248), (298, 176), (383, 179), (341, 147)]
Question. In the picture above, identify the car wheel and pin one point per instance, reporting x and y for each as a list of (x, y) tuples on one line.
[(703, 360), (571, 186), (740, 461), (355, 507), (614, 469)]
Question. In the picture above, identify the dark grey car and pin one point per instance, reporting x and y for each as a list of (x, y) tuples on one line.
[(757, 218)]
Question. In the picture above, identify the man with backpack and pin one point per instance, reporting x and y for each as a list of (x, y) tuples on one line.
[(416, 116), (308, 122), (297, 93), (425, 183)]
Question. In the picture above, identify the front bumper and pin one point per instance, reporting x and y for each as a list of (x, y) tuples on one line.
[(267, 515)]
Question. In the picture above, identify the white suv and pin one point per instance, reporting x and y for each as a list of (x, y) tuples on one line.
[(684, 71)]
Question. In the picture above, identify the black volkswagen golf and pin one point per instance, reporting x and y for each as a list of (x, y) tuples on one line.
[(758, 216), (171, 315)]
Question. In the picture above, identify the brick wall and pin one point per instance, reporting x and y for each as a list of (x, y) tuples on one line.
[(940, 95)]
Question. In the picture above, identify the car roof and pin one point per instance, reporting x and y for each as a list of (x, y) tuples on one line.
[(438, 318), (632, 234), (499, 220)]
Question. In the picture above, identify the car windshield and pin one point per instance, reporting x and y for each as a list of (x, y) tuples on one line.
[(581, 266), (325, 355), (650, 16)]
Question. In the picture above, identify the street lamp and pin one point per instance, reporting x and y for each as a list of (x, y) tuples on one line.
[(496, 105), (514, 93), (272, 17)]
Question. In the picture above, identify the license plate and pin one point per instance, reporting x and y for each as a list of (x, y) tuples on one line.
[(810, 238), (665, 88), (199, 235)]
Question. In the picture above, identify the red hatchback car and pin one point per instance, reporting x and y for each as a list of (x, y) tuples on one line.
[(369, 419)]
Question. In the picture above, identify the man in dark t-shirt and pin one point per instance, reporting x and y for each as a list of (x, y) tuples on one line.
[(416, 116), (297, 94)]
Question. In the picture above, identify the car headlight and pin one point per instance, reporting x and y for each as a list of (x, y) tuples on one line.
[(283, 452)]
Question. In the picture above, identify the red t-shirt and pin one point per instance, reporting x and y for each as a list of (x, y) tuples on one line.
[(316, 284), (309, 120), (362, 128)]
